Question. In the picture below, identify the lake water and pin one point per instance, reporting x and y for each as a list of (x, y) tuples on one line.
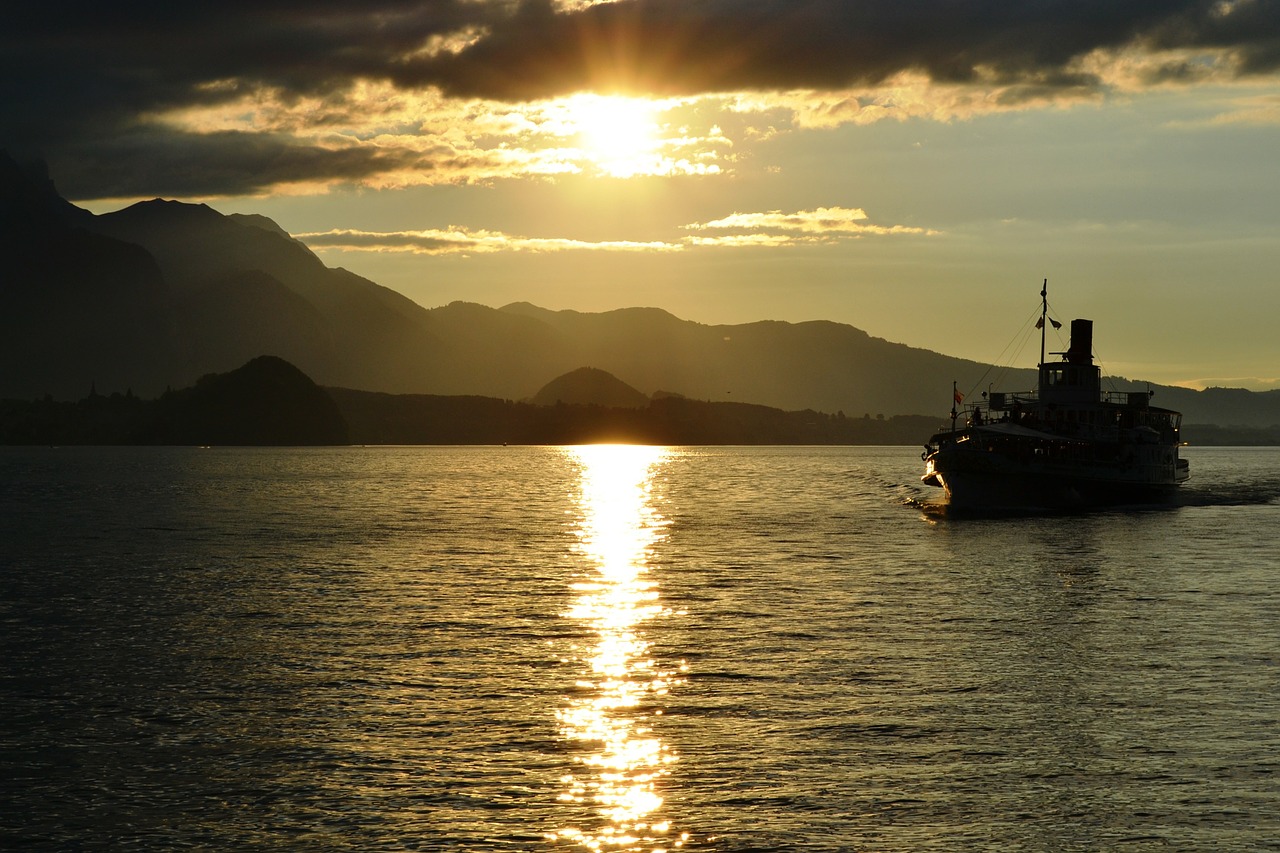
[(617, 649)]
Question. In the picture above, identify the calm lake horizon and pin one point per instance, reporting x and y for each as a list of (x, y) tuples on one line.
[(626, 648)]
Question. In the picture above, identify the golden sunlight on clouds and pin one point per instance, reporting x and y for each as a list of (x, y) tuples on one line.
[(578, 5), (426, 138), (416, 137), (742, 241), (903, 97), (822, 219), (463, 241), (823, 225), (1130, 70), (914, 95), (441, 44)]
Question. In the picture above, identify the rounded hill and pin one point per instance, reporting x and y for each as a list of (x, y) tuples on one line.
[(590, 386)]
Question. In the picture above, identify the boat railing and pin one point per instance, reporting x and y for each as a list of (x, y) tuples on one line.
[(1122, 410), (1128, 399), (999, 403), (996, 403)]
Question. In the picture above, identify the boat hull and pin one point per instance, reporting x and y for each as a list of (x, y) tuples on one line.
[(1023, 479), (1031, 491)]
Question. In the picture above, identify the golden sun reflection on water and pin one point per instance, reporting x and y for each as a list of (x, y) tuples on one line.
[(621, 688)]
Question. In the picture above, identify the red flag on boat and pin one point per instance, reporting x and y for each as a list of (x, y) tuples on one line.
[(959, 398)]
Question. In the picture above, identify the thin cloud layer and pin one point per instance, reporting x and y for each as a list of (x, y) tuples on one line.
[(823, 221), (773, 229), (114, 95), (463, 241)]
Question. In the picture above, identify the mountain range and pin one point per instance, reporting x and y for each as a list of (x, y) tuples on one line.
[(158, 294)]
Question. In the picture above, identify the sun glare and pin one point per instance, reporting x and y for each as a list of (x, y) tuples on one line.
[(619, 135)]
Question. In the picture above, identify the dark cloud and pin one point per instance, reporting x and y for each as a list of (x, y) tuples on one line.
[(677, 46), (689, 46), (308, 45), (78, 77), (79, 82), (186, 165)]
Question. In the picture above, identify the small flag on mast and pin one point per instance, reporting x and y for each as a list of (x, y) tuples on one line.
[(959, 398)]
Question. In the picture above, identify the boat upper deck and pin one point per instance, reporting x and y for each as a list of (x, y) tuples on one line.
[(1116, 413)]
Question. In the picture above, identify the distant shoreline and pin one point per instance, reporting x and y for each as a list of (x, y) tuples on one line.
[(374, 419)]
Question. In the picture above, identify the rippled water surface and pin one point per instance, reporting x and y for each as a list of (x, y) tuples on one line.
[(620, 648)]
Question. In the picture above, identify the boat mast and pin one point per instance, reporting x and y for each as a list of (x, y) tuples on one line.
[(1044, 314), (955, 400)]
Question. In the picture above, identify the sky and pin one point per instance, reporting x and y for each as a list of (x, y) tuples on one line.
[(915, 168)]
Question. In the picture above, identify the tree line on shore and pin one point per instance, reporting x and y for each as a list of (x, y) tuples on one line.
[(271, 402)]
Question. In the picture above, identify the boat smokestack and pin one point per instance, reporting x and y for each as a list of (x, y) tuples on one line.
[(1081, 349)]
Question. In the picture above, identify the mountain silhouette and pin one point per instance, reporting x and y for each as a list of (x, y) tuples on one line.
[(244, 287), (820, 365), (590, 386), (266, 402), (158, 294), (76, 307)]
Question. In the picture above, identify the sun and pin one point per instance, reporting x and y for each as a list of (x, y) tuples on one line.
[(619, 135)]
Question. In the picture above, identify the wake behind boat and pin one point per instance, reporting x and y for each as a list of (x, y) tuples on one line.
[(1067, 444)]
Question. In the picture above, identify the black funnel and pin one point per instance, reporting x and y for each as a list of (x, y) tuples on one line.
[(1081, 350)]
